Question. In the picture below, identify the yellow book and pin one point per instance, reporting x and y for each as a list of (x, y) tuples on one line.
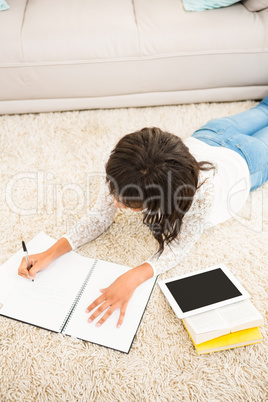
[(229, 341)]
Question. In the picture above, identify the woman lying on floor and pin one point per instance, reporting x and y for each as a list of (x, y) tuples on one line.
[(182, 189)]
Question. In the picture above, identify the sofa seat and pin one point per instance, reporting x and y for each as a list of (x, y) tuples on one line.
[(83, 54)]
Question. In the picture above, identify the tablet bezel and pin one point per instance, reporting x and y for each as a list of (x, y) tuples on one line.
[(180, 314)]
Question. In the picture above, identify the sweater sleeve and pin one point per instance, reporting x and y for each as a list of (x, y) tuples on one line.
[(95, 222), (193, 225)]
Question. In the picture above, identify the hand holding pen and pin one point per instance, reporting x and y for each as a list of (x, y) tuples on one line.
[(34, 263), (26, 256)]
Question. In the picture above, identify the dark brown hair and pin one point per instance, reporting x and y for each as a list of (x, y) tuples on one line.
[(154, 170)]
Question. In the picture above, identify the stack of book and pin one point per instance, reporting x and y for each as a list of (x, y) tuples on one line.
[(226, 327)]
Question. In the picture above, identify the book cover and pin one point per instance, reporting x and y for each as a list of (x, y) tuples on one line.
[(213, 324), (229, 341)]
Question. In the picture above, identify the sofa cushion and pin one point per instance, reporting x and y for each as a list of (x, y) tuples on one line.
[(230, 30), (10, 28), (201, 5), (255, 5), (79, 30)]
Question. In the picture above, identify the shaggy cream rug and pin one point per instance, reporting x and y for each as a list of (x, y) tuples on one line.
[(49, 166)]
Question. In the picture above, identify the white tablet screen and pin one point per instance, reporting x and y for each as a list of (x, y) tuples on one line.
[(203, 289)]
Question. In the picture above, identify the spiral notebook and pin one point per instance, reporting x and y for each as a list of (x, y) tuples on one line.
[(59, 296)]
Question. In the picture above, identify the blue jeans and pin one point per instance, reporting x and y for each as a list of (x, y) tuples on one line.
[(245, 133)]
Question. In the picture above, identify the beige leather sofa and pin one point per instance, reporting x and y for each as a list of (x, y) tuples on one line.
[(83, 54)]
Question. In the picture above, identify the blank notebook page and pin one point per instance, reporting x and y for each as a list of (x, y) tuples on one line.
[(108, 334)]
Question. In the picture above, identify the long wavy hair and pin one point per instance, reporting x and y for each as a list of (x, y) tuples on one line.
[(154, 171)]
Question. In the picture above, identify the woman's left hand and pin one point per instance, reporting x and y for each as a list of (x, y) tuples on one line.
[(118, 294)]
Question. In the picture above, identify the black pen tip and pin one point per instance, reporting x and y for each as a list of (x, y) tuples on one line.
[(23, 246)]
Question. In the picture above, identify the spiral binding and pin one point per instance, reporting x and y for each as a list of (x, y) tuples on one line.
[(77, 298)]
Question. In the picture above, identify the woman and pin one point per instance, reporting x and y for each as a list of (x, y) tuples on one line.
[(182, 189)]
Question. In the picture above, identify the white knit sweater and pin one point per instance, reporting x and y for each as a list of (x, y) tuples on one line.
[(222, 195)]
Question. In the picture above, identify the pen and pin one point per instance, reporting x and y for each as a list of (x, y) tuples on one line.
[(26, 255)]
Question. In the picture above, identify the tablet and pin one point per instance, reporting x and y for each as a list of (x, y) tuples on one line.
[(202, 290)]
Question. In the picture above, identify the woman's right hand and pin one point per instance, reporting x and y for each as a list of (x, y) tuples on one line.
[(37, 262), (40, 261)]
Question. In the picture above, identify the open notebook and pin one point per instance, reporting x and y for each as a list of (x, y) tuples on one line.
[(59, 295)]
